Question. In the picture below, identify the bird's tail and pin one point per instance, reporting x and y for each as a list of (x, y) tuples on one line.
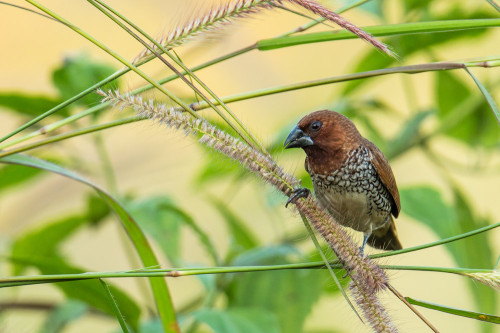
[(385, 239)]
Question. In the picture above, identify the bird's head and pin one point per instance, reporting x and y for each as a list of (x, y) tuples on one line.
[(323, 132)]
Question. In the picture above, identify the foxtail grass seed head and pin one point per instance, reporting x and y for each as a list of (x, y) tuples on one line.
[(373, 311), (491, 279), (215, 19)]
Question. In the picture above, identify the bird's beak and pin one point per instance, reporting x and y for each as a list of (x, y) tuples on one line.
[(297, 139)]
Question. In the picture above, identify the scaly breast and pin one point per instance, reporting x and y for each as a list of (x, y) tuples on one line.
[(354, 194)]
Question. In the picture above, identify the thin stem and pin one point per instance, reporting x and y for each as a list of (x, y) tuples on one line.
[(247, 135), (412, 69), (180, 272), (140, 90), (72, 134), (327, 263), (440, 242), (411, 307)]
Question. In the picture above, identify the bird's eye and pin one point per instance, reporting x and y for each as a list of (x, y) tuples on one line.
[(316, 125)]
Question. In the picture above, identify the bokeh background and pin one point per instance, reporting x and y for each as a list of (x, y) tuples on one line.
[(153, 161)]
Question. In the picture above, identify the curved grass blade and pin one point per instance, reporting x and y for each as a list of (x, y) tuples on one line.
[(115, 307), (486, 94), (139, 240), (458, 312)]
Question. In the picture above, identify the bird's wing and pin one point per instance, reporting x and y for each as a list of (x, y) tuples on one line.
[(384, 171)]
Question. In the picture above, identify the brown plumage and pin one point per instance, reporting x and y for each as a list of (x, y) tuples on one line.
[(352, 178)]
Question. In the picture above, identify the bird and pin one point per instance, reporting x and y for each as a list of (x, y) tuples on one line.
[(351, 177)]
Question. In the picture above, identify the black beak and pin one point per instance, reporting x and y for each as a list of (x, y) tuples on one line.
[(297, 139)]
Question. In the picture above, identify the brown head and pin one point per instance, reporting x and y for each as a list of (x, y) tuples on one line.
[(326, 137)]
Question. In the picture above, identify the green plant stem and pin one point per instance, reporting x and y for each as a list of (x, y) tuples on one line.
[(325, 261), (116, 309), (246, 135), (412, 69), (458, 312), (180, 272), (440, 242), (137, 91), (378, 31), (116, 56), (61, 137)]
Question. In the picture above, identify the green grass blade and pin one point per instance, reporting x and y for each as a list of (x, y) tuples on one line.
[(115, 307), (486, 94), (378, 31), (310, 231), (458, 312), (139, 240)]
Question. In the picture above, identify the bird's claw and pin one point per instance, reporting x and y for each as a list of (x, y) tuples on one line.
[(298, 193)]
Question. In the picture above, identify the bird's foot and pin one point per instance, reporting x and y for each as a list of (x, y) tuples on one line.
[(298, 193)]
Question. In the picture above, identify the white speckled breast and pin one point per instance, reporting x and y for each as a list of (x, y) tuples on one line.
[(354, 194)]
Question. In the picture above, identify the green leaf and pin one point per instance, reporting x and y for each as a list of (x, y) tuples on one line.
[(218, 166), (139, 240), (426, 205), (87, 291), (45, 241), (408, 134), (97, 209), (63, 315), (15, 175), (458, 312), (242, 238), (478, 126), (28, 105), (288, 294), (238, 320), (77, 74), (161, 224)]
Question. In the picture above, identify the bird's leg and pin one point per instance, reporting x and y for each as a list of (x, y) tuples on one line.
[(298, 193), (362, 248)]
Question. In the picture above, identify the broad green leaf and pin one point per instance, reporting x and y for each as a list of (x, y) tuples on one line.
[(407, 135), (160, 224), (14, 175), (478, 127), (288, 294), (426, 205), (63, 315), (242, 237), (45, 241), (87, 291), (217, 167), (97, 209), (141, 244), (77, 74), (28, 105), (238, 320)]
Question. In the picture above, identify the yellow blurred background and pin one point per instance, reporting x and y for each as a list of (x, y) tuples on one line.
[(152, 160)]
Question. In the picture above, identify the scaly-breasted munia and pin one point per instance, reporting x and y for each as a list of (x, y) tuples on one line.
[(352, 178)]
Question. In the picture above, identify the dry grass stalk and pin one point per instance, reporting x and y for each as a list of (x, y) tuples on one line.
[(368, 278)]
